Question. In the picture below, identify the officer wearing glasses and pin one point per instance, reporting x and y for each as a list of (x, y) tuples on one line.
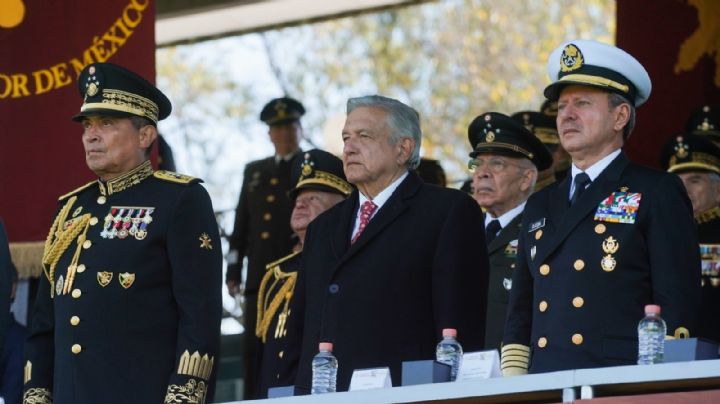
[(505, 161)]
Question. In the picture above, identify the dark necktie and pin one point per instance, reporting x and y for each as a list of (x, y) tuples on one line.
[(581, 182), (492, 230)]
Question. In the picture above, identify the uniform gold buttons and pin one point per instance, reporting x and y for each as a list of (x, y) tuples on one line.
[(273, 181), (87, 244), (76, 293), (280, 354), (538, 234), (544, 269), (76, 349), (81, 268), (101, 200), (579, 265), (600, 228), (542, 342), (512, 265), (578, 302), (543, 306), (93, 221), (577, 339), (74, 320), (270, 198), (265, 235), (267, 217)]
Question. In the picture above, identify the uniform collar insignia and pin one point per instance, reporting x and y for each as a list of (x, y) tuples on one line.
[(708, 215), (127, 180)]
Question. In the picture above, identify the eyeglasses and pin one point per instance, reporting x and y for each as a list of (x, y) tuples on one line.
[(494, 165)]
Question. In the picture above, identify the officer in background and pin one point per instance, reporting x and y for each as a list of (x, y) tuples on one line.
[(262, 231), (696, 160), (705, 121), (320, 184), (129, 310), (610, 229), (544, 128), (505, 162), (431, 172), (561, 158)]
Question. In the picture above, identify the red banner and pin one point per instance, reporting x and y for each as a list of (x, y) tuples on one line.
[(678, 42), (43, 47)]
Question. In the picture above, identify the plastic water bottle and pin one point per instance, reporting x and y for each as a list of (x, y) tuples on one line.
[(324, 370), (651, 336), (449, 351)]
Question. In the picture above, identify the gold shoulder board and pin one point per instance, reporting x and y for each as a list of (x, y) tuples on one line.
[(76, 191), (175, 177), (281, 260)]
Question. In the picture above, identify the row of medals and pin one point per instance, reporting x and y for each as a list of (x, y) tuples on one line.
[(124, 222)]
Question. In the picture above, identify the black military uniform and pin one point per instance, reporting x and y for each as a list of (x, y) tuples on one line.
[(262, 226), (277, 325), (129, 310), (585, 272), (696, 153), (499, 134), (545, 129)]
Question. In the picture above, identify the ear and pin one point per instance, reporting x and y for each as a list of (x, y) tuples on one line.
[(405, 146), (622, 116), (528, 178), (148, 134)]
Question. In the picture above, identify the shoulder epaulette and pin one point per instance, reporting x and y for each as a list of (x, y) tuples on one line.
[(175, 177), (281, 260), (76, 190)]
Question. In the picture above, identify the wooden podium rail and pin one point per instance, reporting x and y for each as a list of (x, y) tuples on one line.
[(555, 387)]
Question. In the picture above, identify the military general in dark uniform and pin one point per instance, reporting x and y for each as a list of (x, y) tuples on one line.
[(614, 236), (696, 160), (505, 162), (262, 231), (319, 185), (129, 308)]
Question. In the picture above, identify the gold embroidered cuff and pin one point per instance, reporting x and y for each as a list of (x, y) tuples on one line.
[(37, 396), (515, 359), (196, 365), (192, 392)]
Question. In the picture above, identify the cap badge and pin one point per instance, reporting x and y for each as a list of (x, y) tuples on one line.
[(490, 137), (681, 149), (280, 108), (706, 126), (571, 58), (307, 167)]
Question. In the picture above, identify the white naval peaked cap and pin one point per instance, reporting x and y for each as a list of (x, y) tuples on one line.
[(596, 64)]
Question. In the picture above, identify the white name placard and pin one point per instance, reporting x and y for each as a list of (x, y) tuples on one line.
[(479, 365), (366, 379)]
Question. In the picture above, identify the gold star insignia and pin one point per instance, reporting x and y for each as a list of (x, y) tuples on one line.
[(205, 241)]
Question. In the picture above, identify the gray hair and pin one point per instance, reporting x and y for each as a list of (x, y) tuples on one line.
[(403, 121), (524, 165), (614, 100), (138, 122)]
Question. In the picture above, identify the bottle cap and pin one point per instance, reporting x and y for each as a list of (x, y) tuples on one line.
[(326, 346), (449, 332), (652, 309)]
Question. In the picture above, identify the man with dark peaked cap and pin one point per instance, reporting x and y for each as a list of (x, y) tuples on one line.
[(544, 128), (705, 121), (262, 231), (505, 162), (129, 308), (320, 184), (612, 237), (696, 160)]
